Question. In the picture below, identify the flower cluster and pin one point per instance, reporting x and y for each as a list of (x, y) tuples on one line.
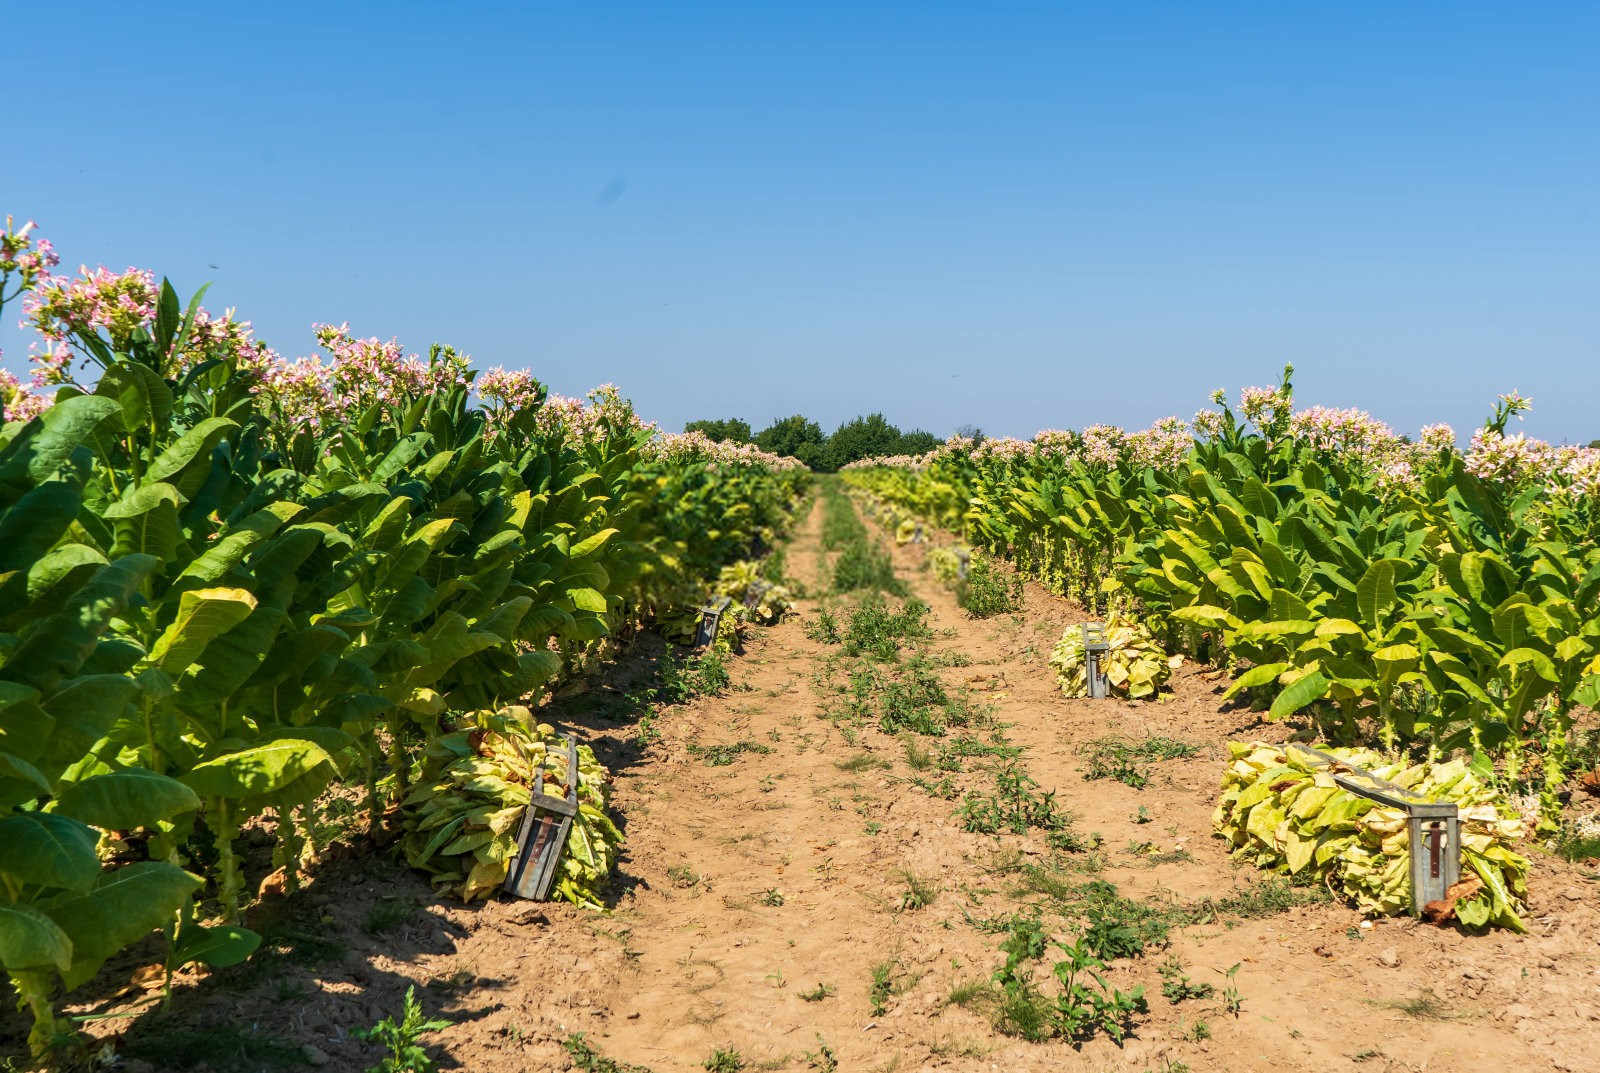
[(1103, 445), (365, 372), (1347, 432), (507, 393), (223, 338), (605, 415), (1265, 407), (118, 303), (688, 448), (361, 373), (17, 403), (52, 365), (1164, 445), (1437, 439), (515, 389), (1001, 449), (1207, 424), (954, 447), (29, 259), (1515, 403), (296, 393), (1522, 460), (915, 462)]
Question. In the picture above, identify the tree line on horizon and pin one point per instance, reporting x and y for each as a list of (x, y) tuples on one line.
[(799, 437)]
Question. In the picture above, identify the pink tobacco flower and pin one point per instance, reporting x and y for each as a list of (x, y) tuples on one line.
[(117, 303)]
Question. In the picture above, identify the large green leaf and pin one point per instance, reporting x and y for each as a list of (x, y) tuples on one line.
[(20, 779), (587, 600), (203, 614), (122, 908), (24, 725), (1256, 677), (72, 424), (1535, 661), (59, 645), (47, 850), (145, 398), (146, 520), (1375, 592), (185, 463), (592, 544), (1314, 686), (257, 771), (230, 548), (31, 940), (84, 709), (56, 574), (220, 946), (452, 639), (32, 525), (121, 800)]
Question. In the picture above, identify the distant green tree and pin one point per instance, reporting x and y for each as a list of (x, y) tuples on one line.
[(916, 442), (863, 437), (867, 436), (1594, 444), (732, 429), (797, 437)]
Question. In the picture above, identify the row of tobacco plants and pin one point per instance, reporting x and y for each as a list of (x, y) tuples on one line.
[(1405, 591), (228, 580)]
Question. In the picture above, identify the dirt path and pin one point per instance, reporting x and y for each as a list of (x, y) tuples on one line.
[(760, 896)]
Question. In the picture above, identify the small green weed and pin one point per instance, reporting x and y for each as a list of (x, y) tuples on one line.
[(1014, 806), (405, 1055), (723, 1061), (986, 592), (861, 762), (1231, 1000), (723, 755), (1577, 848), (387, 914), (918, 893), (588, 1060), (1270, 897), (1128, 762), (684, 678), (1176, 985), (823, 1057), (882, 987), (876, 631)]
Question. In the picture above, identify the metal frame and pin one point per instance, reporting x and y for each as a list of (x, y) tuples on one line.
[(543, 834), (710, 621), (753, 594), (1095, 646), (1434, 823)]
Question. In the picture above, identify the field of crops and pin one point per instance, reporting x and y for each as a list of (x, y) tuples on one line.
[(1393, 591), (229, 581), (286, 645)]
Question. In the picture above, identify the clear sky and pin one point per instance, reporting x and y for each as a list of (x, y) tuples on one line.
[(1014, 216)]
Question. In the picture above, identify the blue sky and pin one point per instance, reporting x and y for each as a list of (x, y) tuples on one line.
[(1014, 216)]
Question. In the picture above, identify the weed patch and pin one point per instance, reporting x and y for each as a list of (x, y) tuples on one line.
[(1128, 762), (723, 755)]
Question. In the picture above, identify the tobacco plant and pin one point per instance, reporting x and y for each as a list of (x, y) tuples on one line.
[(227, 581), (1424, 596)]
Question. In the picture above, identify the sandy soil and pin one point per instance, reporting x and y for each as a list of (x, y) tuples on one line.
[(746, 886)]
